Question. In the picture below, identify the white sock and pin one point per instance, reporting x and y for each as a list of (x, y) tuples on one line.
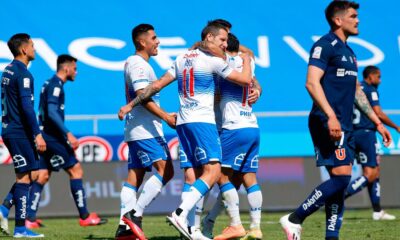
[(150, 190), (128, 200), (197, 191), (199, 210), (216, 209), (255, 198), (230, 199), (192, 212)]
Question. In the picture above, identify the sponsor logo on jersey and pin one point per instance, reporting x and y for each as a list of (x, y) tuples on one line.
[(374, 96), (341, 72), (317, 52), (94, 149)]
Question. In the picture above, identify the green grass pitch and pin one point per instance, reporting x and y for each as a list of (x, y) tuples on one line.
[(357, 225)]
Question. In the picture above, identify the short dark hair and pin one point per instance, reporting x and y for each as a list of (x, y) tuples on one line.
[(233, 43), (64, 58), (16, 42), (221, 21), (337, 6), (368, 70), (139, 30), (212, 28)]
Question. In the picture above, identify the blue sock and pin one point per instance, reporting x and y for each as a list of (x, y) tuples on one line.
[(374, 190), (21, 194), (79, 197), (320, 195), (334, 209), (356, 185), (34, 199), (8, 201)]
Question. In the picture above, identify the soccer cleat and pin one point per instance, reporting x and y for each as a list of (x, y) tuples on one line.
[(253, 234), (208, 227), (382, 215), (135, 224), (179, 224), (292, 230), (197, 235), (92, 220), (231, 232), (124, 234), (4, 220), (23, 232), (35, 224)]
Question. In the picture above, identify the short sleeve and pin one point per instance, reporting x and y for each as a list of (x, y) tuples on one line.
[(221, 67), (138, 75), (320, 54), (373, 98)]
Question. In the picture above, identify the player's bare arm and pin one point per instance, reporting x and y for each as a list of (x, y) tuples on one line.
[(255, 91), (314, 88), (385, 118), (148, 92), (363, 104)]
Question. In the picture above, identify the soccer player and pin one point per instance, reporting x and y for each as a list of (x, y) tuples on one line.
[(144, 135), (196, 128), (332, 84), (366, 145), (240, 139), (20, 130), (60, 146)]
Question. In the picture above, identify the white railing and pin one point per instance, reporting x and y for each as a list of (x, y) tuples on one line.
[(95, 118)]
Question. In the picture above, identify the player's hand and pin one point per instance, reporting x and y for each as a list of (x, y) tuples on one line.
[(171, 120), (253, 96), (123, 111), (387, 138), (40, 143), (335, 130), (72, 141), (245, 56)]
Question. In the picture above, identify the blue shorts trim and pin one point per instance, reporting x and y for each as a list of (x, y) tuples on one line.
[(240, 149), (58, 155), (200, 144), (143, 153), (23, 153)]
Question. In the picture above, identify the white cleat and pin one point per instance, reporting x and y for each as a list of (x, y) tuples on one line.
[(4, 224), (208, 228), (179, 224), (197, 235), (382, 215), (292, 230)]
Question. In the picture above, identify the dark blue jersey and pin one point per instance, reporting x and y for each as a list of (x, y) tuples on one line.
[(17, 107), (339, 64), (51, 110), (361, 121)]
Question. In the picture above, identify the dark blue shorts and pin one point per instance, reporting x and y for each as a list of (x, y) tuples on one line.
[(59, 155), (331, 153), (23, 153), (366, 148), (143, 153)]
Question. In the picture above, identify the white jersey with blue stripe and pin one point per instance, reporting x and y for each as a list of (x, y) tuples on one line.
[(140, 123), (236, 111), (196, 73)]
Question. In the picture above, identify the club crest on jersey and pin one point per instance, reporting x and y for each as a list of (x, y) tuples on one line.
[(340, 153), (27, 83)]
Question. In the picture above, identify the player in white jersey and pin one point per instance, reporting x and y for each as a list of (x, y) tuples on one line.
[(240, 138), (195, 71), (144, 135)]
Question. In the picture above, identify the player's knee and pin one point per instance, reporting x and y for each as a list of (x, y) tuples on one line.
[(76, 172), (341, 181), (43, 177)]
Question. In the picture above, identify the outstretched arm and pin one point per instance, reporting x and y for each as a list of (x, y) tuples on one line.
[(363, 104), (148, 91), (385, 118)]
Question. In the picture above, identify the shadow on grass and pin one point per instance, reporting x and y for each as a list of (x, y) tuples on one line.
[(98, 237), (165, 238)]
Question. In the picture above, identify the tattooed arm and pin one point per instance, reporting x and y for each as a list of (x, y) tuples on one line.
[(363, 104), (148, 91)]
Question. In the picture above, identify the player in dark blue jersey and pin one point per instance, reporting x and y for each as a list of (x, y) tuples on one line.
[(60, 146), (20, 130), (366, 144), (332, 84)]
